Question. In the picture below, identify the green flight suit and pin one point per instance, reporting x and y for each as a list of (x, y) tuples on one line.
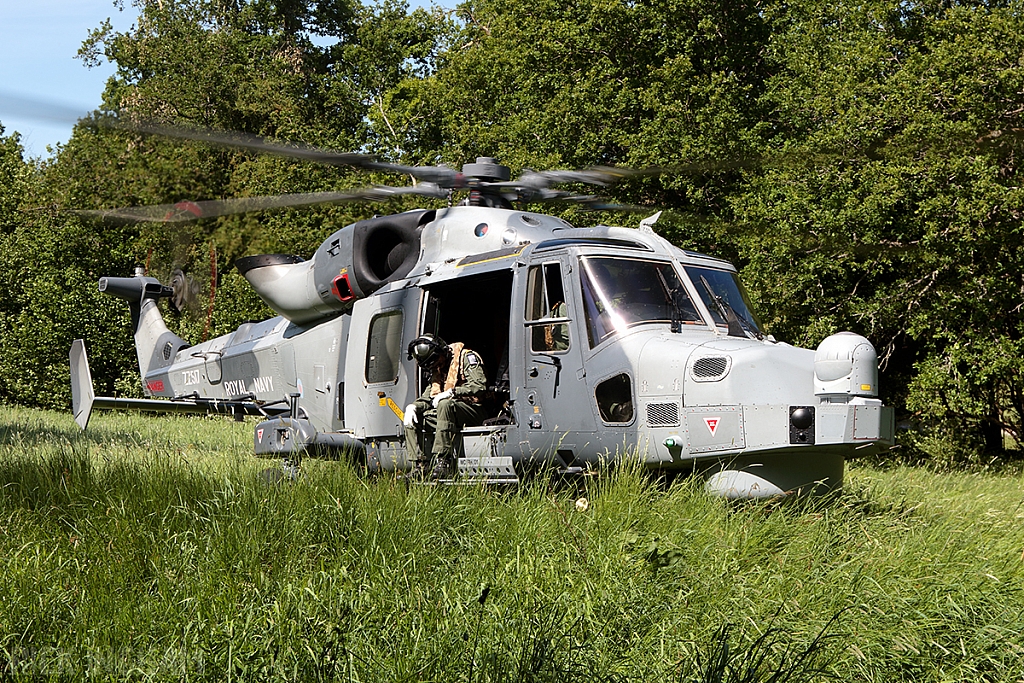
[(445, 422)]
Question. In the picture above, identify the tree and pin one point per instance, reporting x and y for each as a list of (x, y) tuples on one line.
[(546, 84), (899, 215), (293, 70), (48, 286)]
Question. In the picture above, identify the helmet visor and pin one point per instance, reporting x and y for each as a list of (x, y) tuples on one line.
[(427, 352)]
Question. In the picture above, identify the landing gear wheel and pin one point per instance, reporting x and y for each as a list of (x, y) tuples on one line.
[(290, 470)]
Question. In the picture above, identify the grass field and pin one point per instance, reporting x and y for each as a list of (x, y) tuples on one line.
[(151, 549)]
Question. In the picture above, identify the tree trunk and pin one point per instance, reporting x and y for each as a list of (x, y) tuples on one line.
[(992, 426)]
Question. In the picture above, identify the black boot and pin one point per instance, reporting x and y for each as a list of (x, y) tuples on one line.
[(418, 471), (442, 468)]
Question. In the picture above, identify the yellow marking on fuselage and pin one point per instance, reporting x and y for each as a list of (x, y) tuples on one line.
[(394, 407)]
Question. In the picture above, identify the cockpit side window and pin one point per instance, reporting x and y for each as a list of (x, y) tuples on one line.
[(615, 399), (545, 300), (619, 293)]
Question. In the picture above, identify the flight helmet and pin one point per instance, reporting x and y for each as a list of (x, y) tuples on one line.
[(428, 351)]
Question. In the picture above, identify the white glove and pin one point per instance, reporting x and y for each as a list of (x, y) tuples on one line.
[(442, 396), (410, 418)]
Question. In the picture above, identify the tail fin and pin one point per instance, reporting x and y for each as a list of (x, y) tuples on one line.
[(82, 394), (155, 345)]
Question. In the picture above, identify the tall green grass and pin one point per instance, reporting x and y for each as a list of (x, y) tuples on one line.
[(152, 549)]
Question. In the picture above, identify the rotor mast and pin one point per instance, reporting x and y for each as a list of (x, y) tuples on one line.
[(486, 170)]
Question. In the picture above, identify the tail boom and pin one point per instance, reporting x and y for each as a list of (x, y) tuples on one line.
[(84, 399)]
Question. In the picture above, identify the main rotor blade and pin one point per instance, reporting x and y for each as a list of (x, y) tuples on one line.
[(531, 182), (588, 202), (597, 175), (380, 193), (442, 176), (591, 202), (185, 211), (439, 175), (253, 143), (40, 110)]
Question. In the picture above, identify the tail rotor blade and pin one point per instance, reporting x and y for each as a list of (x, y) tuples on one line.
[(213, 291)]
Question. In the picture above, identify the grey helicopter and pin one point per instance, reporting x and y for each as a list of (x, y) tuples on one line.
[(600, 344)]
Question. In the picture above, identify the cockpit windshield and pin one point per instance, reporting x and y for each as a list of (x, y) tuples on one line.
[(619, 293), (727, 300)]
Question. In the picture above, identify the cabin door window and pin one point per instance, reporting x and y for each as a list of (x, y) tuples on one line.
[(384, 348), (546, 311), (615, 399)]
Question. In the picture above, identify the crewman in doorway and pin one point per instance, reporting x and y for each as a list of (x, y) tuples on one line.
[(452, 400)]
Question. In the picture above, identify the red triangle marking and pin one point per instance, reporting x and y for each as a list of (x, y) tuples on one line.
[(712, 423), (259, 435)]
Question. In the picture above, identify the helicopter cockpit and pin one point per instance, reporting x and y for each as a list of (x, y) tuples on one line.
[(620, 293)]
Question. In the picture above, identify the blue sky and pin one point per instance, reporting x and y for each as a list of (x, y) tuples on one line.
[(37, 63)]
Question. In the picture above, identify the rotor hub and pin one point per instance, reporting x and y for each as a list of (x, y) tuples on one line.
[(487, 169)]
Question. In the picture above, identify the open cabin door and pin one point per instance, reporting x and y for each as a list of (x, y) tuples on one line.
[(379, 380), (474, 309), (552, 403)]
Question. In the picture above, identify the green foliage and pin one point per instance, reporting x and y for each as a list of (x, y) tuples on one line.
[(51, 265), (909, 233), (542, 84), (247, 66), (153, 548), (15, 177)]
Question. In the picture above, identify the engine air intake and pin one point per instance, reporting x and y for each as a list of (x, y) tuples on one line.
[(710, 368)]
